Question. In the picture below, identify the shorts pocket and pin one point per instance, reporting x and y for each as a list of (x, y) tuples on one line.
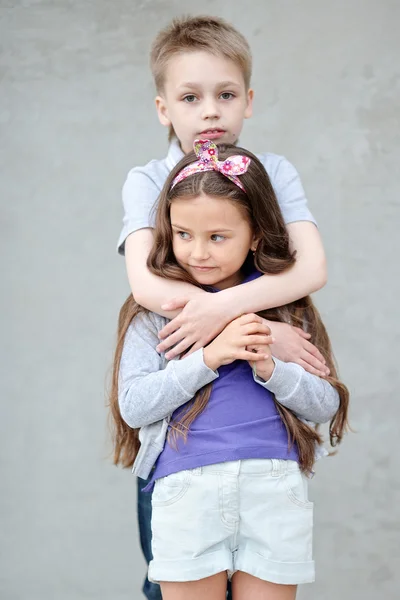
[(170, 489), (296, 485)]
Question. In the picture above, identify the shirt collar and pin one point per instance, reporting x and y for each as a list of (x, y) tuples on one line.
[(175, 154)]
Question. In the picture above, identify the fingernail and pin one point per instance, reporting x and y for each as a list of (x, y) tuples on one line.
[(273, 340)]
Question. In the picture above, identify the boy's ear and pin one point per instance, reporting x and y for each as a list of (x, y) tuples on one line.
[(249, 108), (162, 111)]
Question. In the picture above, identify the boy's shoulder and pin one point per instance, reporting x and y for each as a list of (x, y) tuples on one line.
[(273, 163), (156, 171)]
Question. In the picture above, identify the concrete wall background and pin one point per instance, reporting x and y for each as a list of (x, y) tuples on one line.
[(76, 113)]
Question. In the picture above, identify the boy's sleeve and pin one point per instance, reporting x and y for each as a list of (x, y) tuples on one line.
[(288, 189), (148, 391), (139, 196)]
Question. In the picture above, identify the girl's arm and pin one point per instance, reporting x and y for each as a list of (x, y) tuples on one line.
[(308, 396), (148, 392)]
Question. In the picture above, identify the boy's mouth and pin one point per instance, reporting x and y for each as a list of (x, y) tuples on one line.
[(213, 134)]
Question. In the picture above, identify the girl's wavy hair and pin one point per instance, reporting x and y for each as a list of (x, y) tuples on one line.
[(273, 256)]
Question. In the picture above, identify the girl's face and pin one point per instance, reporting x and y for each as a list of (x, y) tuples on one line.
[(211, 239)]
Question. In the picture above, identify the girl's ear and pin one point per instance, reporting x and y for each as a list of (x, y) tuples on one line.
[(162, 111), (255, 242)]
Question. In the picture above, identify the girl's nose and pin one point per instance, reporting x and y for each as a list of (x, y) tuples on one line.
[(200, 251)]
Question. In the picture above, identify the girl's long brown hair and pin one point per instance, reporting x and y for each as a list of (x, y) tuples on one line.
[(273, 255)]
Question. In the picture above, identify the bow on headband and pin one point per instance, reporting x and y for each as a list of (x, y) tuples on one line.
[(207, 154)]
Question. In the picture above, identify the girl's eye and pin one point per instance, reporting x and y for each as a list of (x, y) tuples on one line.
[(183, 235), (190, 98), (217, 238), (227, 95)]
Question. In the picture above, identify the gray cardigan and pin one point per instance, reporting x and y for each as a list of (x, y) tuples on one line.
[(151, 388)]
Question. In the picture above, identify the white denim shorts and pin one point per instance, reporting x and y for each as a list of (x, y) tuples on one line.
[(245, 515)]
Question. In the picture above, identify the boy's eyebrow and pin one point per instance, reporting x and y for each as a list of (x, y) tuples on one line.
[(194, 84), (219, 230)]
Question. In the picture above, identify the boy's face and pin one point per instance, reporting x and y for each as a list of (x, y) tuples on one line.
[(204, 96)]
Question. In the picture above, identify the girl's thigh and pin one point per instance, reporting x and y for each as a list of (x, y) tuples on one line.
[(210, 588), (245, 586)]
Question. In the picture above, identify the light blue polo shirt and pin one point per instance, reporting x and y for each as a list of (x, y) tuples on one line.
[(143, 186)]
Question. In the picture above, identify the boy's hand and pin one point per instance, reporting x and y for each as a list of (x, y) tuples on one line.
[(234, 341), (292, 345), (203, 317)]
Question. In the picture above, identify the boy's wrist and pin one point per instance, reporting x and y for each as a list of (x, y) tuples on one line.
[(230, 307)]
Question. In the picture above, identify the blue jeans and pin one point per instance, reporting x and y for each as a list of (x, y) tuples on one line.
[(152, 591)]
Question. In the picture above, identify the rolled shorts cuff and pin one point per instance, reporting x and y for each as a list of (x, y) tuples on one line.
[(191, 569), (284, 573)]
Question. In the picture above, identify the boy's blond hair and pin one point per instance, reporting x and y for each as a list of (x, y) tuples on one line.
[(194, 34)]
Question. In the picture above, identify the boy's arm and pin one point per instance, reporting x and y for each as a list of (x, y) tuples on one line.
[(205, 315), (307, 275), (148, 289)]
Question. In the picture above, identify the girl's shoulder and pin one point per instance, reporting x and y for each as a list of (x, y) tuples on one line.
[(146, 324)]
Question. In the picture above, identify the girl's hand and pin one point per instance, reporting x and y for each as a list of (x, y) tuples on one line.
[(262, 368), (292, 345), (203, 317), (233, 342)]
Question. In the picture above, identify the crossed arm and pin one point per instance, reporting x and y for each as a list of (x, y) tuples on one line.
[(198, 316)]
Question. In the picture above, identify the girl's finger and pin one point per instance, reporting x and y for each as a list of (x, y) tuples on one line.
[(250, 318), (256, 328), (258, 340), (251, 356)]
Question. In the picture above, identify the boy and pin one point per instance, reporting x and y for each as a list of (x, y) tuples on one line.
[(202, 69)]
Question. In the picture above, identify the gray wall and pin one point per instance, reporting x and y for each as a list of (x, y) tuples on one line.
[(76, 114)]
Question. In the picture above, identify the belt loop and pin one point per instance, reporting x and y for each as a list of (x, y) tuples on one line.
[(275, 467)]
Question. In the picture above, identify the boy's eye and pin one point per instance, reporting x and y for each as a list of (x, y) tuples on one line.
[(189, 98), (227, 95), (217, 238)]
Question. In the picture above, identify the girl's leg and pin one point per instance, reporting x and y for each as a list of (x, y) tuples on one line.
[(210, 588), (245, 586)]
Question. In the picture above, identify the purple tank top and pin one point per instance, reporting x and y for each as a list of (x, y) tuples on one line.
[(240, 421)]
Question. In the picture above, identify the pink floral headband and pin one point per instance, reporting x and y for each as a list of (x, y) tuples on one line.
[(207, 154)]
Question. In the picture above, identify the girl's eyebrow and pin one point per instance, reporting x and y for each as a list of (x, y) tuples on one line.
[(219, 230)]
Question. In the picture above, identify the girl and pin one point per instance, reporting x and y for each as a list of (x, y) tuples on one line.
[(229, 428)]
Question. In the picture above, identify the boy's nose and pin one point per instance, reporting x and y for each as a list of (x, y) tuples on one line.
[(211, 110)]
